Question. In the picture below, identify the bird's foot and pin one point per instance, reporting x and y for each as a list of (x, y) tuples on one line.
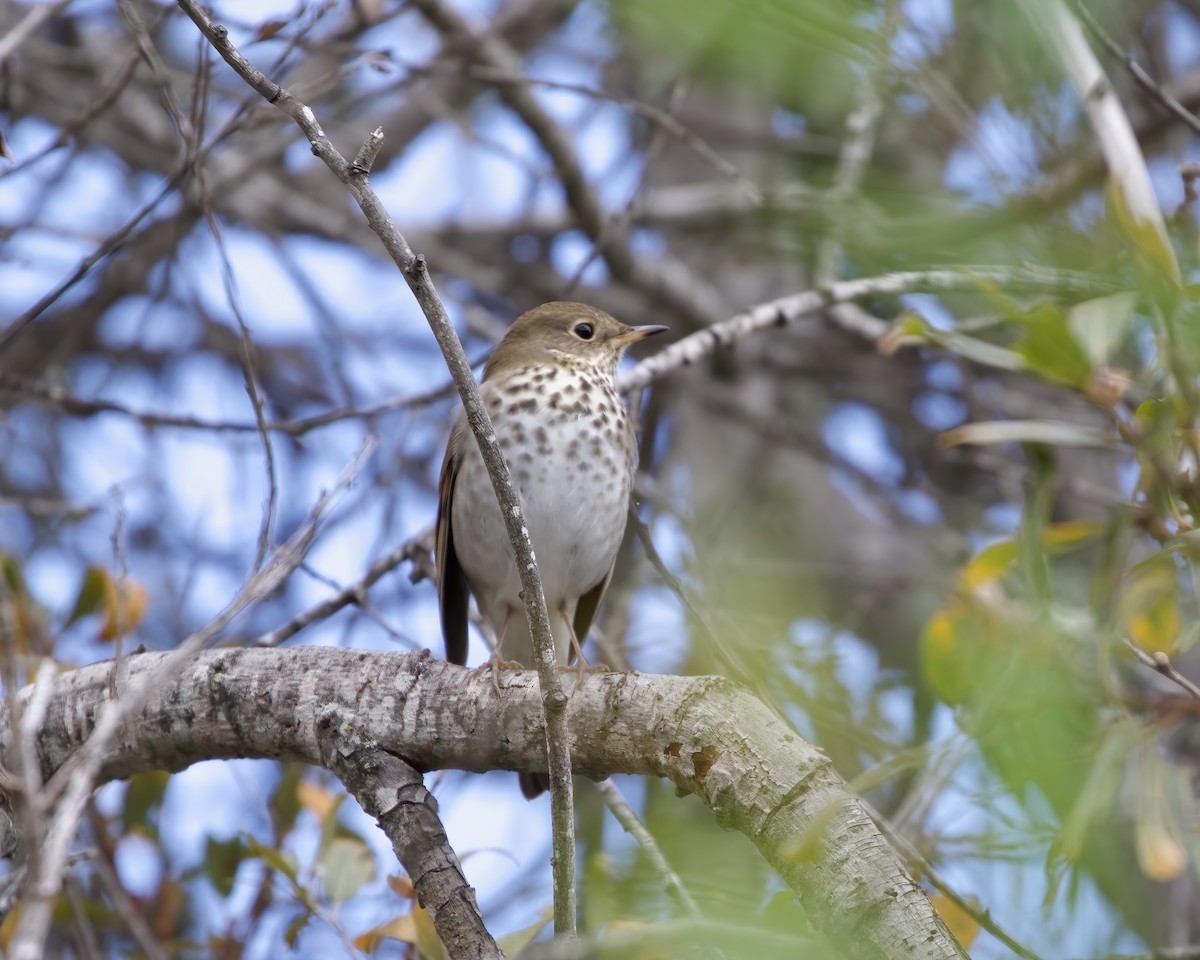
[(495, 663)]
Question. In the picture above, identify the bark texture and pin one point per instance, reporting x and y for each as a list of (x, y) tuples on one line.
[(707, 735)]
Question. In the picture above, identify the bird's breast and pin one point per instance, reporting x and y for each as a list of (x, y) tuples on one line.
[(571, 451)]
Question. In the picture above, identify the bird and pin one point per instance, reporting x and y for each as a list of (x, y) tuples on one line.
[(550, 391)]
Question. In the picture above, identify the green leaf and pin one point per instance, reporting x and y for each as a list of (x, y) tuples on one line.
[(145, 792), (285, 801), (1103, 779), (345, 864), (292, 933), (277, 860), (520, 939), (1101, 325), (221, 861), (1050, 348), (11, 570), (911, 329), (92, 592)]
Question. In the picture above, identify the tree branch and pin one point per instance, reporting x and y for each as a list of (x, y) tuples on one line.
[(691, 296), (785, 310), (393, 792), (707, 735)]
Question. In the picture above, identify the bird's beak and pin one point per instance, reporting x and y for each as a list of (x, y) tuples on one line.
[(634, 334)]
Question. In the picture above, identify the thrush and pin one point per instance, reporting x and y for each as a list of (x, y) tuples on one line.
[(550, 391)]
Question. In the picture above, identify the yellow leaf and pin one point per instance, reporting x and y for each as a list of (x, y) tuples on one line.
[(964, 926), (9, 926), (1148, 609), (428, 942), (124, 606), (945, 658), (997, 559), (989, 565), (401, 884), (319, 800), (400, 928), (1159, 854), (1071, 533)]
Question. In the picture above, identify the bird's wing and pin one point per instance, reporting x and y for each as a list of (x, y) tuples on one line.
[(454, 594)]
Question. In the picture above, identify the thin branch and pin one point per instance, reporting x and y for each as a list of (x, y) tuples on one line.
[(857, 146), (636, 829), (1122, 154), (665, 119), (1140, 76), (416, 549), (37, 15), (853, 159), (126, 909), (793, 307), (670, 283), (54, 397), (416, 274), (1160, 663)]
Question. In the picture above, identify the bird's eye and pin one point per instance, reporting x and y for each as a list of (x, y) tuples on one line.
[(584, 331)]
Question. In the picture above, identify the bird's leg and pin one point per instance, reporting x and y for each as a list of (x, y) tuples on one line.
[(581, 666), (495, 662)]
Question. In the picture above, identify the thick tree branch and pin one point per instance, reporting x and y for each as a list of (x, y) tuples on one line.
[(709, 736), (393, 792)]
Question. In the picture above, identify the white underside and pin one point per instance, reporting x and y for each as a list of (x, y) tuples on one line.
[(561, 517)]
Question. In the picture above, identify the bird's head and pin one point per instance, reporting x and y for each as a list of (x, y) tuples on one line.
[(565, 333)]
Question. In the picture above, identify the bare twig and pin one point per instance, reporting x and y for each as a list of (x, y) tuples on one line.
[(87, 944), (55, 397), (413, 549), (785, 310), (853, 159), (1160, 663), (670, 282), (1140, 76), (29, 25), (636, 829), (416, 274), (127, 910), (857, 145), (664, 119)]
